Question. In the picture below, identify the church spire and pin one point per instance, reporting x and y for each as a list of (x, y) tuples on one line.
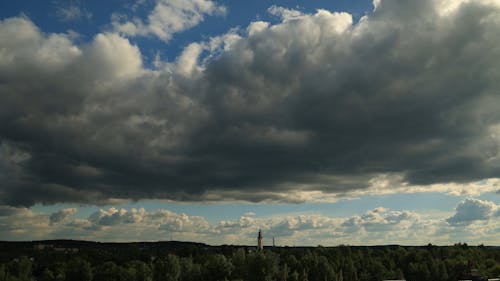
[(260, 245)]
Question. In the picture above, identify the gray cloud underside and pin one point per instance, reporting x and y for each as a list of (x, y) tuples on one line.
[(312, 103)]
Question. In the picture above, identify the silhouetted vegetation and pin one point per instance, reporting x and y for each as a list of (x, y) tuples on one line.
[(177, 261)]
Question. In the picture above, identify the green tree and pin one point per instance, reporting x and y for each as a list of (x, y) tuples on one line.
[(376, 270), (190, 271), (318, 267), (139, 270), (238, 259), (262, 265), (349, 270), (46, 275), (438, 270), (398, 274), (304, 276), (495, 271), (78, 270), (167, 269), (284, 273), (418, 272), (109, 271), (3, 272), (21, 268), (294, 276), (217, 267)]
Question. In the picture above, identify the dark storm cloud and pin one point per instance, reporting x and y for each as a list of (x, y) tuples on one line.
[(313, 103), (61, 215)]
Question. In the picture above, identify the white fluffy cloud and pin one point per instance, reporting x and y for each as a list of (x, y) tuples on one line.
[(471, 210), (24, 46), (118, 57), (380, 220), (377, 226), (167, 18), (285, 13), (164, 220)]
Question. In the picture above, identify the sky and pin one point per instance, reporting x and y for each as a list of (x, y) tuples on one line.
[(319, 122)]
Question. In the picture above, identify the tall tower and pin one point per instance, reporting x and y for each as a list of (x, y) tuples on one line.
[(260, 246)]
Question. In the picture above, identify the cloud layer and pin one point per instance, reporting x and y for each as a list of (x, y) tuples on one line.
[(167, 18), (314, 104), (377, 226)]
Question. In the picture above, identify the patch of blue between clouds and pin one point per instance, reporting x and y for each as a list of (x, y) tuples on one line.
[(215, 212)]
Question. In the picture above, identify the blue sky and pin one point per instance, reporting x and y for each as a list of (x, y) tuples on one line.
[(320, 122)]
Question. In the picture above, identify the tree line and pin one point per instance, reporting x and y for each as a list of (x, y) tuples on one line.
[(246, 263)]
